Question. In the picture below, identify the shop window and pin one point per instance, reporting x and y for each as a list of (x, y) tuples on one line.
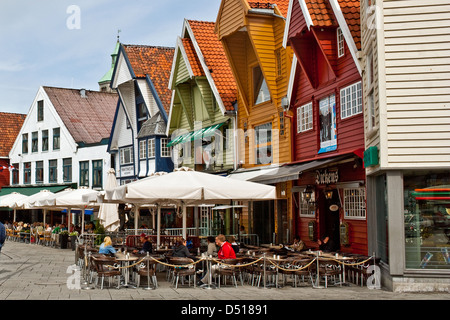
[(427, 219), (355, 203), (306, 208)]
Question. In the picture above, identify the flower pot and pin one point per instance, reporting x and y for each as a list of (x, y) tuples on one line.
[(73, 240), (63, 239)]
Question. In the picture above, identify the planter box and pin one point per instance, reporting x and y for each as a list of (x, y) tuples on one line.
[(63, 240)]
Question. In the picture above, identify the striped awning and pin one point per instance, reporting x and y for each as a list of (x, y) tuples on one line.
[(195, 135)]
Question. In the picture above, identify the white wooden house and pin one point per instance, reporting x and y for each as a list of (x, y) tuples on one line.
[(63, 140), (406, 81), (138, 142)]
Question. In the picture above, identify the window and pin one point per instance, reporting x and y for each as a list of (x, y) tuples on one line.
[(340, 43), (39, 171), (15, 173), (370, 87), (327, 117), (67, 170), (142, 150), (151, 148), (142, 114), (306, 209), (53, 171), (304, 118), (56, 139), (40, 110), (126, 155), (165, 150), (261, 92), (97, 173), (263, 143), (372, 119), (84, 173), (27, 173), (351, 100), (355, 203), (44, 140), (34, 142), (25, 143)]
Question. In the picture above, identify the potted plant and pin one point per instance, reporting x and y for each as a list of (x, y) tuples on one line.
[(73, 238), (63, 239)]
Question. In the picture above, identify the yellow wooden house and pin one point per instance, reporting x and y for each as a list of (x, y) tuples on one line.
[(252, 36)]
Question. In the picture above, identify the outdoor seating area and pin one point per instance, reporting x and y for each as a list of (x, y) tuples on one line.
[(257, 266)]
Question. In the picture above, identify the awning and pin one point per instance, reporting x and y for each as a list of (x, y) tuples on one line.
[(292, 172), (252, 173), (195, 135), (28, 191)]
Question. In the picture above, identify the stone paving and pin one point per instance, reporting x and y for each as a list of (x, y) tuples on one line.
[(36, 272)]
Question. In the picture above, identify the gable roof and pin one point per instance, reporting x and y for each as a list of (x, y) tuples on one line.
[(192, 57), (262, 4), (351, 11), (11, 123), (156, 125), (88, 118), (216, 62), (155, 63)]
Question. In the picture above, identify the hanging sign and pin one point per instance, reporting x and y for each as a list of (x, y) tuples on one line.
[(326, 177)]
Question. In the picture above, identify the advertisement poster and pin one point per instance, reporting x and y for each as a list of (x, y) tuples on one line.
[(327, 117)]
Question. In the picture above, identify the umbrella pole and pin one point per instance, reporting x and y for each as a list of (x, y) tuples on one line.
[(82, 221), (45, 213), (158, 227), (136, 219), (184, 222), (14, 215)]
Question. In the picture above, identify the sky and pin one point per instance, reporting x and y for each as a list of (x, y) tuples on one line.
[(68, 44)]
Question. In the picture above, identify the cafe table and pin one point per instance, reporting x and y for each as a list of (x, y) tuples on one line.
[(125, 259)]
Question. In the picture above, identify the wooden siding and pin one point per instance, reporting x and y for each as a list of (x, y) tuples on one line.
[(417, 71), (231, 17)]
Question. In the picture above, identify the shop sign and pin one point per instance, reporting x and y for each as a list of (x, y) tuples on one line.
[(326, 177), (127, 171)]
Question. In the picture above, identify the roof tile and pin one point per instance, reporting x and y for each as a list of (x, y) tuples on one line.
[(11, 123), (89, 119), (156, 62)]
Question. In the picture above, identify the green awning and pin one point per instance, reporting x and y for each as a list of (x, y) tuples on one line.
[(28, 191), (195, 135)]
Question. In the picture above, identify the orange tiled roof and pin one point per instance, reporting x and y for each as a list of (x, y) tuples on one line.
[(156, 62), (216, 61), (11, 123), (321, 13), (89, 119), (282, 5), (351, 11), (192, 57)]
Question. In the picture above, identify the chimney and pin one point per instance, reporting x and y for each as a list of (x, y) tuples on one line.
[(83, 93)]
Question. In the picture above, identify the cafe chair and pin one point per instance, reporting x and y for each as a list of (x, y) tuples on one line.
[(328, 270), (104, 268), (299, 270), (182, 271), (228, 269), (147, 269)]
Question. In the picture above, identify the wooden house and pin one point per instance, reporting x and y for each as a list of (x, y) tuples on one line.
[(138, 143), (407, 129), (325, 94), (252, 36)]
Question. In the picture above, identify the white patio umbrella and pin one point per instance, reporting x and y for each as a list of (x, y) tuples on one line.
[(185, 186), (29, 202), (108, 213), (72, 199), (9, 201)]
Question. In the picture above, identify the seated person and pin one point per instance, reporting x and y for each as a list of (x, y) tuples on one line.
[(146, 245), (327, 244), (234, 245), (181, 250), (298, 244), (106, 247), (212, 248)]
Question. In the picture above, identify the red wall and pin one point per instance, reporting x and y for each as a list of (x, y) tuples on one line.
[(4, 174)]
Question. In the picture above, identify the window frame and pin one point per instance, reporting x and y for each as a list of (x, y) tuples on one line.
[(340, 42), (301, 126), (27, 173), (39, 171), (53, 170), (25, 143), (56, 140), (358, 213), (354, 92), (97, 173), (151, 148), (142, 150), (40, 111), (266, 144), (254, 85), (34, 142), (67, 170), (84, 173), (44, 139), (165, 151), (122, 155)]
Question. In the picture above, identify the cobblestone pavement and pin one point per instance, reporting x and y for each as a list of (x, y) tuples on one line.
[(36, 272)]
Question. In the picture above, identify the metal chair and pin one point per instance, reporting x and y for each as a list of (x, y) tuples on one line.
[(104, 267), (183, 271), (229, 269)]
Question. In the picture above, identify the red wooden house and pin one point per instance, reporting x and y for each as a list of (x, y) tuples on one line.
[(325, 95)]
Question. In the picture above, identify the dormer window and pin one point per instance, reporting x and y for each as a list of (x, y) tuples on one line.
[(340, 43), (261, 91)]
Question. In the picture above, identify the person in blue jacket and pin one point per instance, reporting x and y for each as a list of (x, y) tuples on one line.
[(106, 247)]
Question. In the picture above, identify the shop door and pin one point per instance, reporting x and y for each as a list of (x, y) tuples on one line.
[(330, 218), (263, 220)]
